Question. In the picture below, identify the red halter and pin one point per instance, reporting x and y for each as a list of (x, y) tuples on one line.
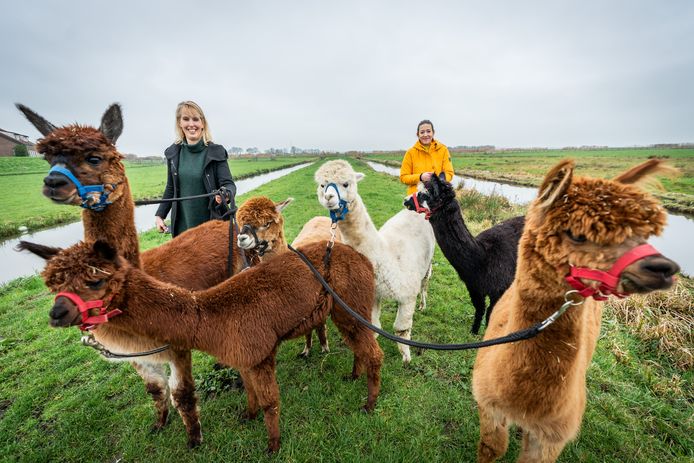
[(89, 322), (421, 209), (609, 279)]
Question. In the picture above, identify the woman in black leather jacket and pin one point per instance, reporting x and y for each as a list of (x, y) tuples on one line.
[(195, 166)]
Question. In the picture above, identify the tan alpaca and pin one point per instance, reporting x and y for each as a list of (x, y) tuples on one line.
[(540, 384)]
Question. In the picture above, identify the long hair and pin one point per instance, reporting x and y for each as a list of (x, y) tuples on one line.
[(194, 107)]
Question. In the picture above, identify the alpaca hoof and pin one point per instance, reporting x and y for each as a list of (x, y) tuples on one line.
[(418, 351), (406, 359), (303, 354), (272, 446), (367, 409), (194, 442), (325, 349)]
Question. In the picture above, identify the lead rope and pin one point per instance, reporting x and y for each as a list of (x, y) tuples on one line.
[(527, 333), (89, 341)]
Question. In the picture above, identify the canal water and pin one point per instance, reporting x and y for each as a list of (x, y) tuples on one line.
[(672, 243), (16, 264)]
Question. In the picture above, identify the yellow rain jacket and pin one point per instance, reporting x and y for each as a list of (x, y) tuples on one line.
[(418, 160)]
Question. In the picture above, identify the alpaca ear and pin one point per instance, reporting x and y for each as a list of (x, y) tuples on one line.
[(359, 176), (45, 252), (279, 207), (644, 173), (112, 123), (41, 124), (555, 184), (105, 250)]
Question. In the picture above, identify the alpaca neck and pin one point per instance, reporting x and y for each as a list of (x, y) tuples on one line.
[(359, 231), (157, 310), (458, 245), (115, 225)]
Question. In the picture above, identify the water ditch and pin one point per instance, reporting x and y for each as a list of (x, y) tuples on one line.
[(17, 264), (672, 243)]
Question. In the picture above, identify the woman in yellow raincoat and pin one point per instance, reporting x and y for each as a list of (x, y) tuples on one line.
[(426, 158)]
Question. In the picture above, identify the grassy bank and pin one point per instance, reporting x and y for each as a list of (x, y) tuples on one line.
[(22, 203), (527, 168), (60, 402)]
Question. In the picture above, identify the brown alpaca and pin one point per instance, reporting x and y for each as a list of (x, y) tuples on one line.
[(540, 384), (90, 154), (241, 321), (262, 226)]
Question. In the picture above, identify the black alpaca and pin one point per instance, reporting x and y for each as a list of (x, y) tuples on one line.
[(486, 263)]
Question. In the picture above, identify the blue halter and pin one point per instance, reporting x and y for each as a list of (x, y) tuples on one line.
[(338, 214), (84, 191)]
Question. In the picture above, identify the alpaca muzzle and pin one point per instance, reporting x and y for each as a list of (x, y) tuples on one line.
[(84, 307), (661, 269), (94, 197)]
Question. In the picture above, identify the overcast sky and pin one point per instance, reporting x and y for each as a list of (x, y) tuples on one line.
[(341, 75)]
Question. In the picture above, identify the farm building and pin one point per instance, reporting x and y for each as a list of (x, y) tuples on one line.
[(8, 140)]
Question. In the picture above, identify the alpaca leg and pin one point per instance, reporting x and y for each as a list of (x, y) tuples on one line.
[(367, 355), (376, 315), (322, 332), (478, 304), (268, 394), (536, 449), (307, 345), (403, 327), (183, 396), (424, 288), (155, 382), (252, 408), (493, 436)]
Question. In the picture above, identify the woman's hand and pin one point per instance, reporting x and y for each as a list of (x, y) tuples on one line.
[(218, 198), (425, 176), (159, 222)]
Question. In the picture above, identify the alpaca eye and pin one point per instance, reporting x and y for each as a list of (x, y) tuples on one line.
[(345, 185), (95, 284), (94, 160), (268, 224), (576, 239)]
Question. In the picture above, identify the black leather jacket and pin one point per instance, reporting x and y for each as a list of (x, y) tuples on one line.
[(216, 174)]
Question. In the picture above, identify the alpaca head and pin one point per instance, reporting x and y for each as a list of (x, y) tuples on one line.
[(91, 271), (262, 224), (336, 178), (88, 153), (589, 223), (431, 195)]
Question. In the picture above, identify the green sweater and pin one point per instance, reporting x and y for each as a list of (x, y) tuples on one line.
[(191, 165)]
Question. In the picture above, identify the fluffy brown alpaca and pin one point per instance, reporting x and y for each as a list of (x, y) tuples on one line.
[(540, 384), (90, 154), (241, 321), (262, 226)]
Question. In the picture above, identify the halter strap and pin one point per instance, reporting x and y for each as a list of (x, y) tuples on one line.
[(609, 280), (89, 322), (421, 209), (84, 191), (260, 245), (342, 210)]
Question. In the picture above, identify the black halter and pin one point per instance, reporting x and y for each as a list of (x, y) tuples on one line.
[(260, 245)]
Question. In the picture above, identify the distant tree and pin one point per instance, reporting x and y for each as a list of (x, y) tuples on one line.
[(21, 150)]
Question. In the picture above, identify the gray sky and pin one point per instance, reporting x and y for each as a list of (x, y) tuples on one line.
[(357, 75)]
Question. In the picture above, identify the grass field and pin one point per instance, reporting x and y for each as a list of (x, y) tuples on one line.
[(529, 167), (22, 203), (60, 402)]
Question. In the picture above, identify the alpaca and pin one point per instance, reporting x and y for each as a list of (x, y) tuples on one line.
[(577, 226), (486, 263), (241, 321), (90, 155), (401, 251), (262, 226)]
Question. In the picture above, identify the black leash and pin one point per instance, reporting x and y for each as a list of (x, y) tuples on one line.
[(145, 202), (527, 333), (90, 341)]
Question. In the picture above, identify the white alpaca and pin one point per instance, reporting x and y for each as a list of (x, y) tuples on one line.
[(401, 251)]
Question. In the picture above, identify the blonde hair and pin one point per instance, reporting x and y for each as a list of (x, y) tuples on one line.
[(193, 106)]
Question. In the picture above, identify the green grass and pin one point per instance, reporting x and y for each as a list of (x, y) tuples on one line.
[(61, 402), (23, 204), (529, 167)]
